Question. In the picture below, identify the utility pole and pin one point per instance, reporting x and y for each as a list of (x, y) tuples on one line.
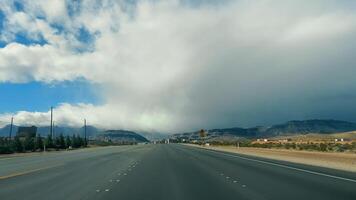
[(85, 132), (12, 122), (51, 129), (54, 132)]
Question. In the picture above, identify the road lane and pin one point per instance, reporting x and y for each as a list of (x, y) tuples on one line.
[(173, 172), (77, 178), (276, 182), (181, 172)]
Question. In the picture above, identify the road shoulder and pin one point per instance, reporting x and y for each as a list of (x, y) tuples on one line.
[(339, 161)]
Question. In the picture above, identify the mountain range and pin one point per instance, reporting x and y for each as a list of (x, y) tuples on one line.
[(121, 135), (92, 132), (45, 130), (288, 128)]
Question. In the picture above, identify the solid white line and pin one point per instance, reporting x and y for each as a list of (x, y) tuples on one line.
[(285, 166)]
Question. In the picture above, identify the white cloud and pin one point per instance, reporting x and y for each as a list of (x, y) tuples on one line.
[(169, 67)]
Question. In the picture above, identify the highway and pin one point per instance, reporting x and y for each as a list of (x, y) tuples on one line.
[(166, 171)]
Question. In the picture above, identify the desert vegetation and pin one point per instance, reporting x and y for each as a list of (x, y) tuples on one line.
[(308, 146)]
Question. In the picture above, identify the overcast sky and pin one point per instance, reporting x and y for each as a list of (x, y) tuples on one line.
[(172, 66)]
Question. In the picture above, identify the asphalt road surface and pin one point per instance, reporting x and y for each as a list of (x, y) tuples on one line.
[(166, 171)]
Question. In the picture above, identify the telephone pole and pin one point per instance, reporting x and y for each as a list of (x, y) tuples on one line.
[(12, 122), (54, 130), (85, 132), (51, 130)]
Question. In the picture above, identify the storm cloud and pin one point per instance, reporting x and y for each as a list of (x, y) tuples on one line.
[(173, 66)]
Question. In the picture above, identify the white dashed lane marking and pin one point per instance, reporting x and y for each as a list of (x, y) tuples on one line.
[(228, 178), (119, 174)]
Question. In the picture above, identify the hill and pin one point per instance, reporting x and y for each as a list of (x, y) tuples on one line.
[(121, 136), (4, 131), (93, 132), (318, 136), (45, 130), (311, 126), (289, 128)]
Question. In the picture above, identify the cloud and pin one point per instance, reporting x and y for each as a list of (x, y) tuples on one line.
[(165, 66)]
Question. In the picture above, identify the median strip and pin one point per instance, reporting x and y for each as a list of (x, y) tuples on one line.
[(25, 172)]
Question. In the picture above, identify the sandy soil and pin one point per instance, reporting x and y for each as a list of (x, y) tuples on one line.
[(341, 161)]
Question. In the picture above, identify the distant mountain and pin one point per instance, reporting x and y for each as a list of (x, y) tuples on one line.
[(311, 126), (288, 128), (121, 136), (4, 131), (45, 130), (67, 130), (152, 135), (92, 132)]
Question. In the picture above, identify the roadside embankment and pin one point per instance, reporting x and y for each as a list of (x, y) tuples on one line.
[(340, 161)]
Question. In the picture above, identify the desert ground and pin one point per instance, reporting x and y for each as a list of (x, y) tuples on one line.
[(340, 161)]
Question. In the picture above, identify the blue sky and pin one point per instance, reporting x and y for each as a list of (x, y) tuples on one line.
[(37, 96)]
